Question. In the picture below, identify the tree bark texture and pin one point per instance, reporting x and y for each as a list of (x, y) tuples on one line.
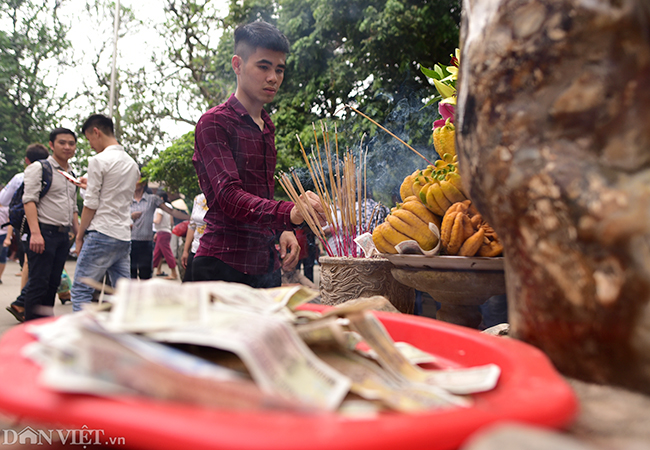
[(553, 137)]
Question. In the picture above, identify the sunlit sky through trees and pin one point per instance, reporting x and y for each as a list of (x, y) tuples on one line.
[(91, 37)]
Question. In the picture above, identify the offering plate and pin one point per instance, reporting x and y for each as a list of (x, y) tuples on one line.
[(459, 283)]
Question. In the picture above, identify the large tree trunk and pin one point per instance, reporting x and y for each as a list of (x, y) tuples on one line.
[(553, 137)]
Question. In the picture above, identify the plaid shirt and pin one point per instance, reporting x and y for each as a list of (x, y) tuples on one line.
[(235, 163)]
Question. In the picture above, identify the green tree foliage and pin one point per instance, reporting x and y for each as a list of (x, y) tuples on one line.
[(174, 168), (137, 125), (33, 46), (190, 74)]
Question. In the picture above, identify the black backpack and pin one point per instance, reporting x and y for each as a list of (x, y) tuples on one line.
[(16, 207)]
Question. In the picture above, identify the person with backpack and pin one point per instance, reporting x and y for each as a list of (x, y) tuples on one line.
[(35, 152), (48, 219)]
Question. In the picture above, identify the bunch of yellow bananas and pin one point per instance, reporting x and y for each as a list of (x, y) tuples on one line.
[(444, 139), (408, 221), (438, 187), (465, 233)]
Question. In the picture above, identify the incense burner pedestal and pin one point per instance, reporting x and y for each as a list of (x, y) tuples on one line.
[(346, 278), (459, 284)]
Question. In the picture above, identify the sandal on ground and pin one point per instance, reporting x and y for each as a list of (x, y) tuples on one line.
[(20, 316), (162, 274)]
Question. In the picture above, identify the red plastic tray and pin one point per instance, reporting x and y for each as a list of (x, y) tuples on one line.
[(529, 390)]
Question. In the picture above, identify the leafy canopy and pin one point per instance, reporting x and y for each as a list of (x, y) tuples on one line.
[(33, 46)]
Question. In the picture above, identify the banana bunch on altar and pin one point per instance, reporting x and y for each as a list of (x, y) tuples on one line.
[(426, 195), (438, 186), (465, 233), (435, 195)]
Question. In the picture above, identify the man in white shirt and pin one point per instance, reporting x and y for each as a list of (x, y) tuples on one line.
[(104, 240)]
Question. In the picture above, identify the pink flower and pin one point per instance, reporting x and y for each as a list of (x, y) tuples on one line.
[(447, 112)]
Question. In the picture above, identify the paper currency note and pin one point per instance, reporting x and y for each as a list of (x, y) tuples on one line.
[(457, 381), (278, 360)]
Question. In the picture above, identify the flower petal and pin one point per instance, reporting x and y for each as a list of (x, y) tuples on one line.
[(447, 111), (438, 123)]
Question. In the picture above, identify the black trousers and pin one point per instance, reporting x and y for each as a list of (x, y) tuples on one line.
[(44, 274), (188, 270), (141, 259), (208, 268)]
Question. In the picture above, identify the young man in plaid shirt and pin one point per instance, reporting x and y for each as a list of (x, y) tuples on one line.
[(234, 157)]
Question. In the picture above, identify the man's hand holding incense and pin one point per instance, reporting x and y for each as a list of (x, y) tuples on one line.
[(289, 250), (311, 206)]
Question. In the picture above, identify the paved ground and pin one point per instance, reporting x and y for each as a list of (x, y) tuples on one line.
[(10, 288)]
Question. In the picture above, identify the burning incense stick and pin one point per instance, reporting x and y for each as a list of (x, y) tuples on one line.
[(342, 193)]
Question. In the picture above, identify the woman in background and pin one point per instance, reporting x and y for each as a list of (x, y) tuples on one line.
[(195, 230), (163, 227)]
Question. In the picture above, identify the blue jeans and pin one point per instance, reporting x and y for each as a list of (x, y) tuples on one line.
[(495, 311), (100, 254)]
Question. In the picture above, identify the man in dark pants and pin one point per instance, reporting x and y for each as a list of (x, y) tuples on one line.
[(35, 152), (143, 207), (50, 220)]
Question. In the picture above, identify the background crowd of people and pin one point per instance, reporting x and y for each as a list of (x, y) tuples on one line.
[(237, 231)]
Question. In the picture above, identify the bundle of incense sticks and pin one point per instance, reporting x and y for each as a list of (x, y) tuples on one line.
[(342, 194)]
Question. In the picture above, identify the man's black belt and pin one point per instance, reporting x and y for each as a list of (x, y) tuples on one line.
[(57, 228)]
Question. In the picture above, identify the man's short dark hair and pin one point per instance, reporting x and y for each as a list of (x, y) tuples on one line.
[(256, 34), (101, 122), (36, 152), (55, 132)]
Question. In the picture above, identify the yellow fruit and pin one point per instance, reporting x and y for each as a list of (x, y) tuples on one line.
[(440, 197), (454, 178), (465, 233), (421, 211), (380, 241), (418, 184), (444, 139), (405, 190), (393, 236), (446, 227), (431, 203), (450, 191), (472, 244), (408, 224)]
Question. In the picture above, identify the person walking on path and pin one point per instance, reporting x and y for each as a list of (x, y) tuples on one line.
[(35, 152), (104, 239), (162, 249), (5, 238), (195, 230), (50, 220), (143, 208)]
